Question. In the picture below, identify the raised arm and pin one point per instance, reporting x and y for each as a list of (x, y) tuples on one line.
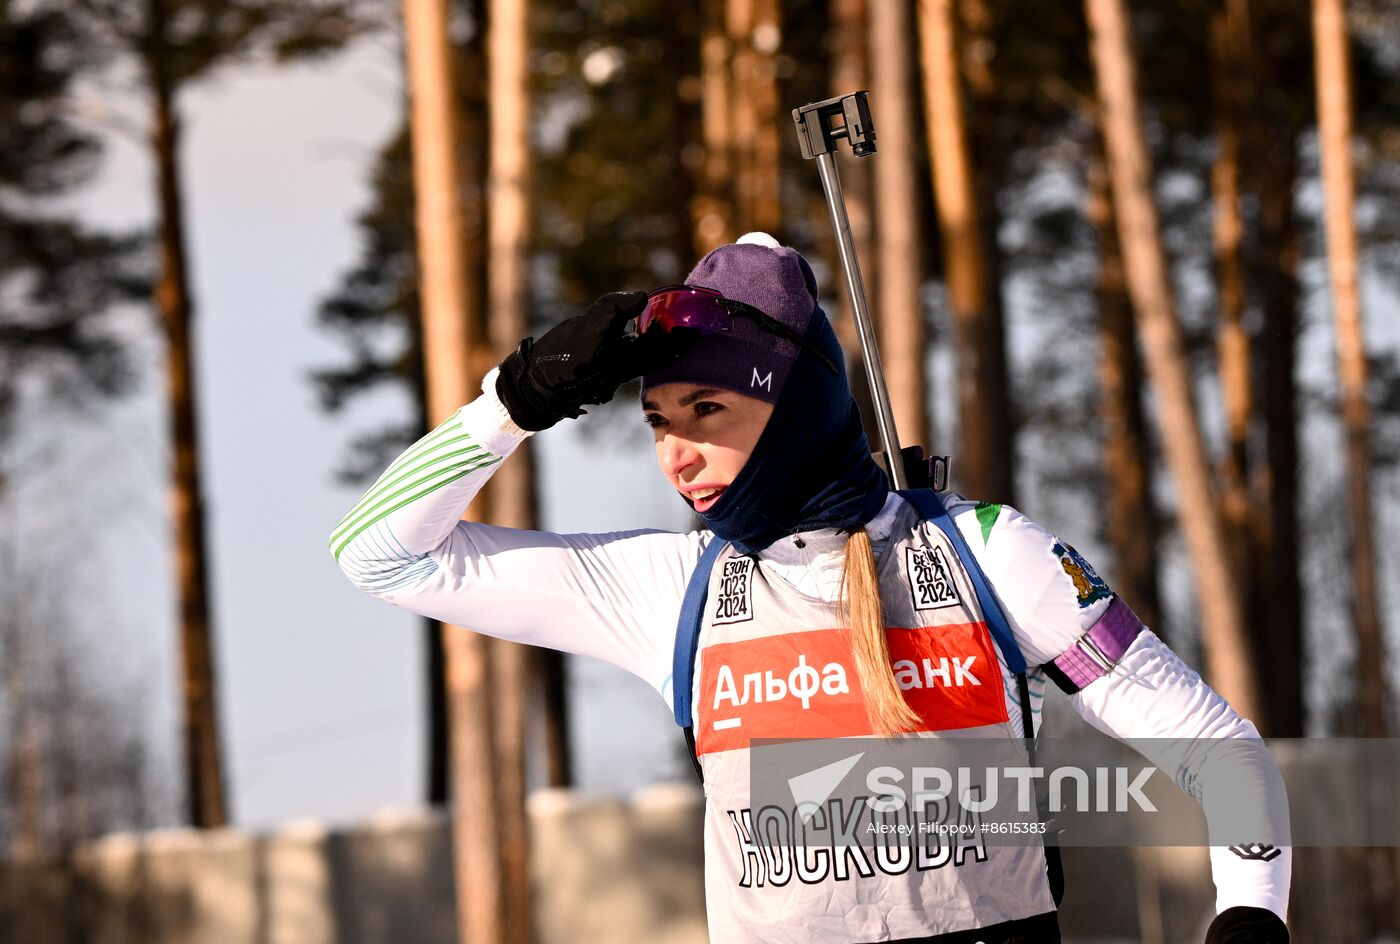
[(611, 596), (1052, 596)]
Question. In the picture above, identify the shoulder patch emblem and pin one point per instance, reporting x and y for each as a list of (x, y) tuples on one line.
[(930, 578), (734, 602), (1089, 587)]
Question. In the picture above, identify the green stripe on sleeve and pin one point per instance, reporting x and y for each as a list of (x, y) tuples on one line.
[(390, 485), (390, 503), (431, 441)]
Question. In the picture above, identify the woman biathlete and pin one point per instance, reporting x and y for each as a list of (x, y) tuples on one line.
[(743, 386)]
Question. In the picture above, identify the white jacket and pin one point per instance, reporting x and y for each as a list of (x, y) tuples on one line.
[(616, 597)]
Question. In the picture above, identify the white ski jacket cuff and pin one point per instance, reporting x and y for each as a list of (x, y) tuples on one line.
[(490, 401)]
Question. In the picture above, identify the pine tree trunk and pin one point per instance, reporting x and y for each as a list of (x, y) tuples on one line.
[(511, 676), (1228, 659), (1131, 515), (900, 322), (850, 72), (508, 229), (1229, 36), (1272, 104), (513, 485), (204, 768), (552, 670), (24, 761), (754, 32), (1343, 264), (681, 72), (976, 50), (765, 38), (739, 22), (1334, 131), (1275, 510), (438, 771), (714, 213), (984, 455), (455, 347)]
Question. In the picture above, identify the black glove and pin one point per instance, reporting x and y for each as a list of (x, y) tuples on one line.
[(1245, 925), (581, 360)]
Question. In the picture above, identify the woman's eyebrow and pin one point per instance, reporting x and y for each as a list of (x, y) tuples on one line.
[(686, 400), (690, 398)]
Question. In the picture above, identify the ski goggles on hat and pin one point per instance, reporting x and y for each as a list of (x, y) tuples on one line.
[(709, 312)]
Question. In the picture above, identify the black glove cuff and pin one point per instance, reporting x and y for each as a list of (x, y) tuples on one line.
[(527, 407), (1244, 925)]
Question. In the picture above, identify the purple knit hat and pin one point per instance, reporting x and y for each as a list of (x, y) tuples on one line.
[(772, 278)]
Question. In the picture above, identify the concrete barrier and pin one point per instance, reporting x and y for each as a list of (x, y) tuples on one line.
[(602, 870)]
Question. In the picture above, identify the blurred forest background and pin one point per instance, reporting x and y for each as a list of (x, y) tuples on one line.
[(1135, 266)]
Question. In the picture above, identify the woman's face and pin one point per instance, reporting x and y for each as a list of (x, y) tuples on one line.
[(704, 436)]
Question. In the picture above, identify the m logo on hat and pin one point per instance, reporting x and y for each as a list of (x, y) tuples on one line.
[(766, 381)]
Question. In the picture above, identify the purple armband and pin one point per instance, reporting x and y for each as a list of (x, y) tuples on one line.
[(1095, 653)]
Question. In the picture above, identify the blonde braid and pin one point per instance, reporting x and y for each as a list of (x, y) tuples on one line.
[(860, 600)]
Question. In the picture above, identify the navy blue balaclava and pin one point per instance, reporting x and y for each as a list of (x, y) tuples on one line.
[(811, 467)]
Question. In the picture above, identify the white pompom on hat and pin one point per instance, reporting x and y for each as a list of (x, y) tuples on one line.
[(757, 239)]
